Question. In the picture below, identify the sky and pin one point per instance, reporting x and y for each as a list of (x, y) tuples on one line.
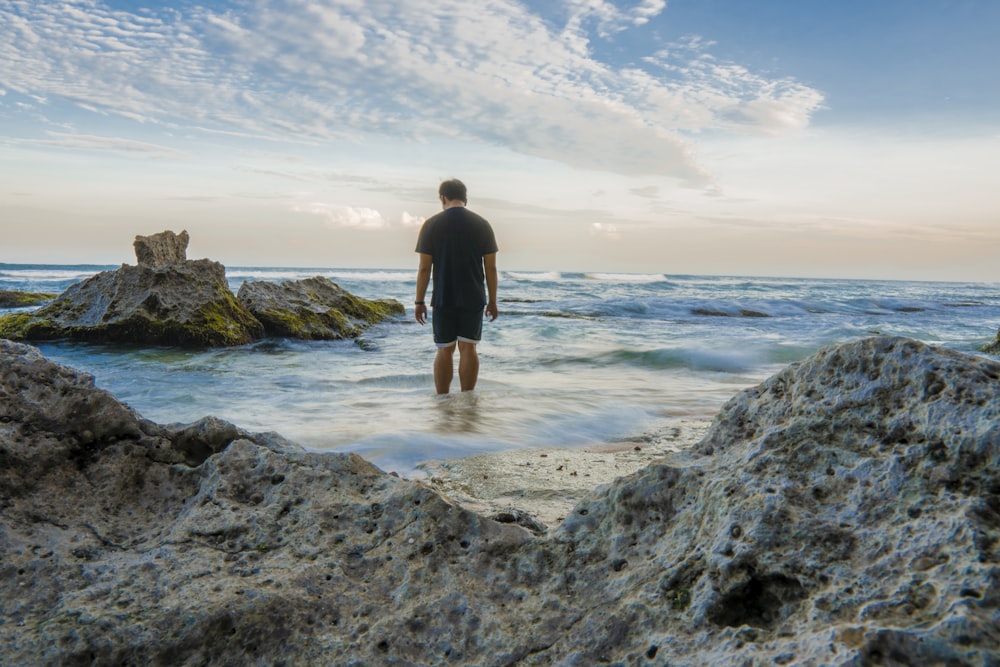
[(854, 139)]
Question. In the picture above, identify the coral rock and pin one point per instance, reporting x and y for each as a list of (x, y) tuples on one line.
[(846, 511), (188, 304), (163, 249)]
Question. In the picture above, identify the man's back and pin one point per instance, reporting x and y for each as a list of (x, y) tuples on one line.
[(457, 239)]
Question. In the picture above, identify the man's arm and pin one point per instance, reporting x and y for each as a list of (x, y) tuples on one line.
[(490, 269), (423, 280)]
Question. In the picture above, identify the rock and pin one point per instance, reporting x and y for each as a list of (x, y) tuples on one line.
[(994, 347), (846, 511), (187, 304), (126, 542), (17, 299), (314, 308), (163, 249), (170, 300), (521, 518), (744, 312)]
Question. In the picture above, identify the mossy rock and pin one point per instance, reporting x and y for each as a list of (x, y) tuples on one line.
[(314, 309), (16, 326), (18, 299), (186, 304), (306, 324)]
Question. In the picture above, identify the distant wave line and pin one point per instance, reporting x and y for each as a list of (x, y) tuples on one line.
[(541, 276), (47, 275), (627, 277), (331, 274)]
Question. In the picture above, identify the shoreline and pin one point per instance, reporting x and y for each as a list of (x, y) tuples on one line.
[(548, 482)]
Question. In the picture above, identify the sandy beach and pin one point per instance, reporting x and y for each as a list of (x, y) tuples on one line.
[(548, 482)]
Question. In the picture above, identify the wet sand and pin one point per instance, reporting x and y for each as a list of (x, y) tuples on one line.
[(548, 483)]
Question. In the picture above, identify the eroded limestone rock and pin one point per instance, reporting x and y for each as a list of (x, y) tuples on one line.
[(314, 308), (169, 300), (846, 511), (163, 249), (122, 541), (187, 303)]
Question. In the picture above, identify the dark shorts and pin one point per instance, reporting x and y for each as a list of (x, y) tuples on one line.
[(454, 324)]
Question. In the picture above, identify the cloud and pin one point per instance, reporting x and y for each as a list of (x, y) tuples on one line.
[(116, 144), (646, 10), (344, 216), (355, 217), (323, 70), (410, 220), (701, 93), (605, 230), (608, 17), (648, 192)]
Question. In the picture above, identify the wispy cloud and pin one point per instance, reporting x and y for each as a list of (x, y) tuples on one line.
[(647, 192), (327, 70), (608, 16), (700, 93), (99, 143)]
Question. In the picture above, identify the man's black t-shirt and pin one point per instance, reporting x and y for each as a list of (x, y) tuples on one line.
[(457, 239)]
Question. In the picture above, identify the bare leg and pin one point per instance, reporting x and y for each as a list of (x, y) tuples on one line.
[(444, 369), (468, 365)]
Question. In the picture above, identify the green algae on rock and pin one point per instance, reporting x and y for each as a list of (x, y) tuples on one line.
[(187, 304), (169, 300), (994, 347), (314, 308), (18, 299)]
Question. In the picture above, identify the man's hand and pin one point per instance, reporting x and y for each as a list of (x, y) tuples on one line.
[(420, 312), (491, 310)]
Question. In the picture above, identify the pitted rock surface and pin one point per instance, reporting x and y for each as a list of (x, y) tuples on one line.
[(185, 304), (163, 249), (844, 512), (169, 300)]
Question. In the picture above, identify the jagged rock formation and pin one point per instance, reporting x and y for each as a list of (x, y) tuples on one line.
[(163, 249), (314, 308), (187, 304), (844, 512), (169, 300)]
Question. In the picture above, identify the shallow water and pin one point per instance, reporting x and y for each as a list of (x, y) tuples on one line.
[(574, 360)]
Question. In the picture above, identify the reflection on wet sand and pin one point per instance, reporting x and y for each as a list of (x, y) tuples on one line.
[(458, 413)]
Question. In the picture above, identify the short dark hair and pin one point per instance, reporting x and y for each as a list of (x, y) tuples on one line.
[(453, 189)]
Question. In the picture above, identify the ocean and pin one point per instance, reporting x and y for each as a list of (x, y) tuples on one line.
[(574, 360)]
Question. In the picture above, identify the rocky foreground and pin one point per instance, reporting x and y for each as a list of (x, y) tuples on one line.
[(844, 512)]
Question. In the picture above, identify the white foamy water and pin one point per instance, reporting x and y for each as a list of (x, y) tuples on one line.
[(574, 359)]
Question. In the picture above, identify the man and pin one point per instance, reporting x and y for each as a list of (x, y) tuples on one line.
[(457, 248)]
